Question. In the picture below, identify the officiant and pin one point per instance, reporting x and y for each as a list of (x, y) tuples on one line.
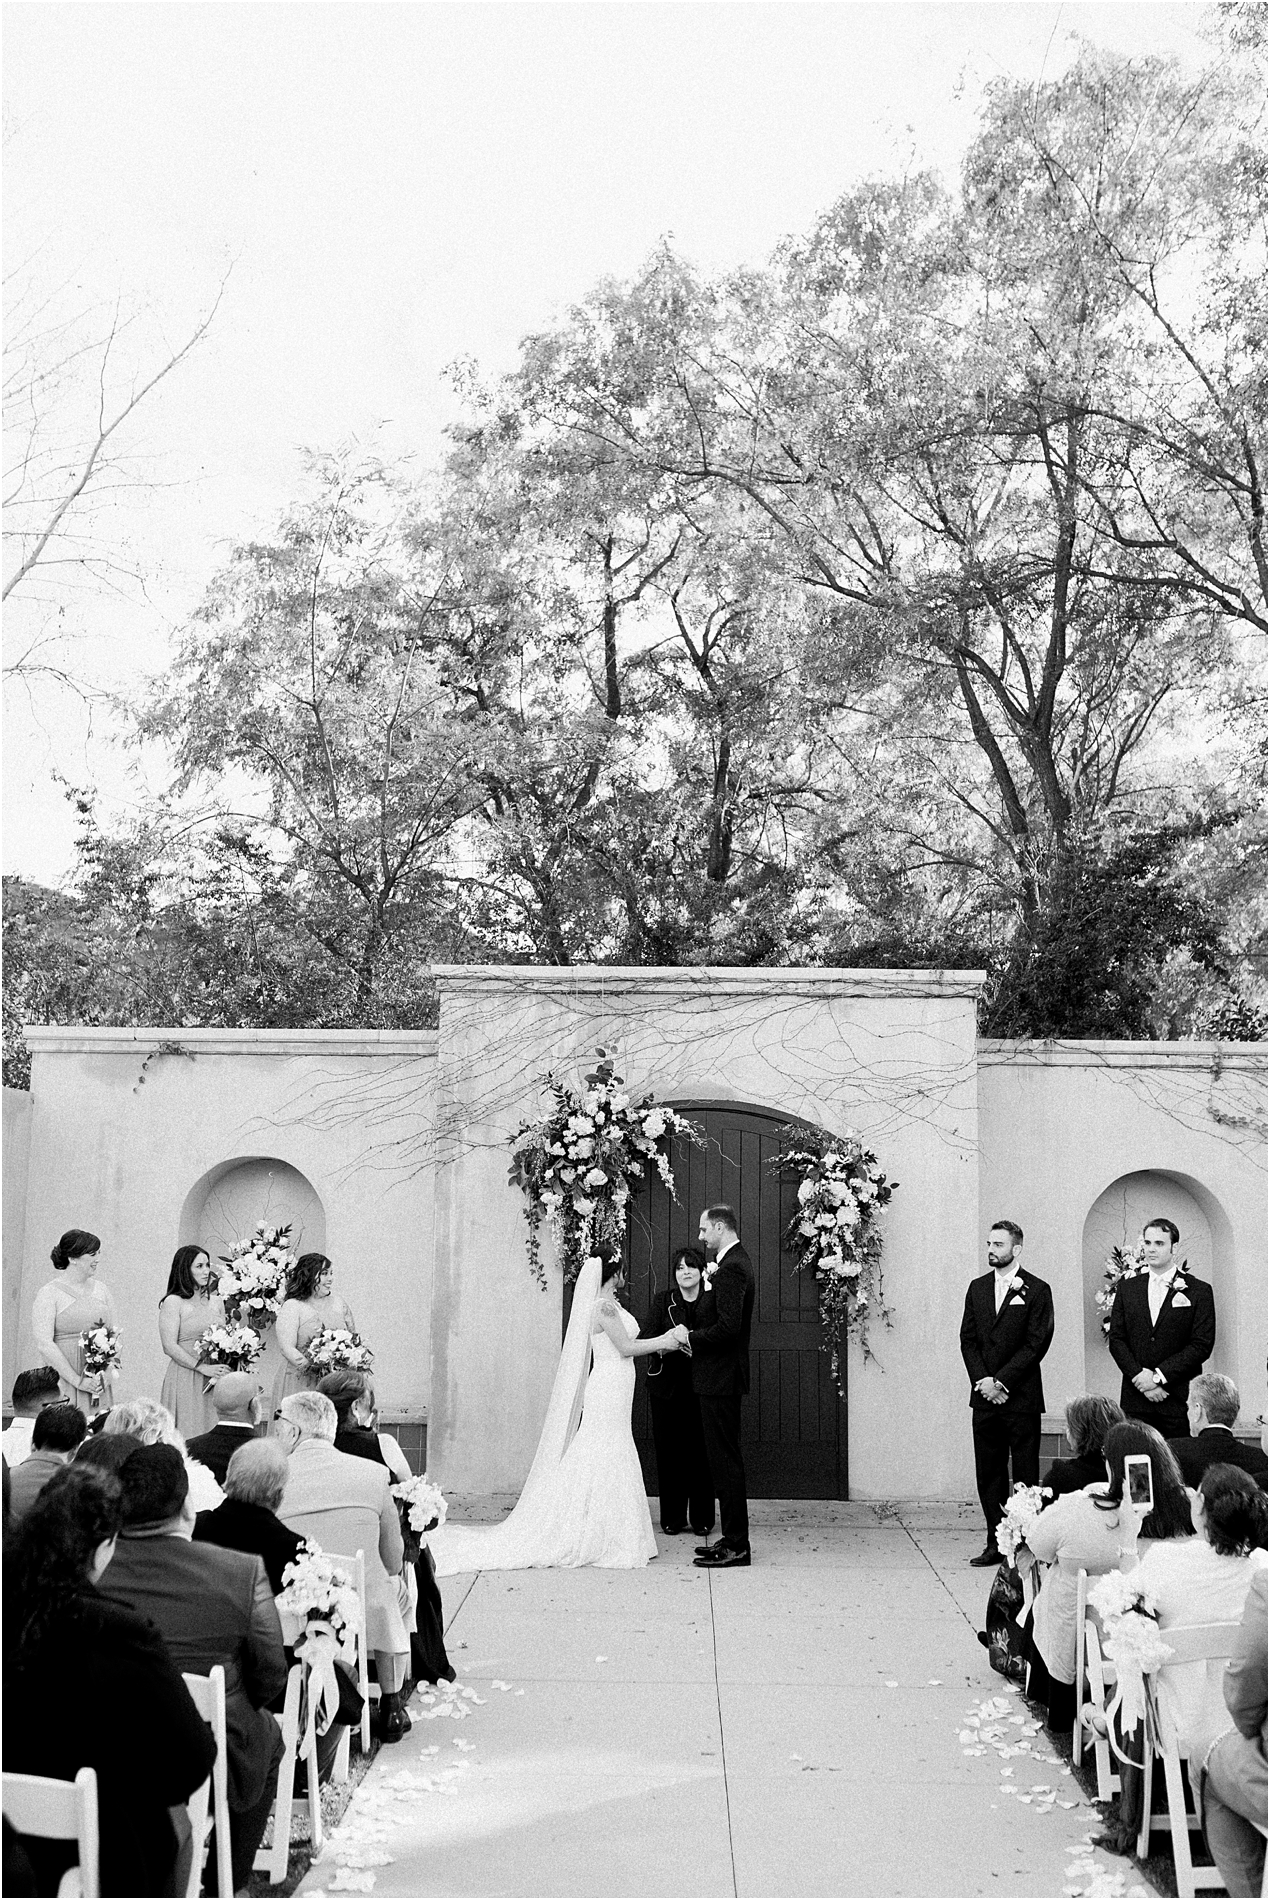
[(685, 1488)]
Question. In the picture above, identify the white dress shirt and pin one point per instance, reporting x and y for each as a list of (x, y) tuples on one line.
[(1002, 1277), (1158, 1285)]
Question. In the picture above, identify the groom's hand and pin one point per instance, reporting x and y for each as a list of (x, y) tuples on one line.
[(680, 1335)]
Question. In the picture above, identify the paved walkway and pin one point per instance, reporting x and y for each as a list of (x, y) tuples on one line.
[(823, 1723)]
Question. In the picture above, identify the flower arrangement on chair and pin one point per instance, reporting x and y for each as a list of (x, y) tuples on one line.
[(332, 1349), (835, 1233), (1132, 1641), (1022, 1508), (237, 1347), (317, 1593), (575, 1166), (253, 1277)]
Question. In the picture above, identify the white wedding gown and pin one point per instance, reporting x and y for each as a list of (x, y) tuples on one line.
[(588, 1508)]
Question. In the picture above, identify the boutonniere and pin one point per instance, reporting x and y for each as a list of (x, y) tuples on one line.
[(1016, 1285)]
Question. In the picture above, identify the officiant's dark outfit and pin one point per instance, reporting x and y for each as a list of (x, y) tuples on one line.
[(1175, 1344), (1006, 1344), (685, 1488), (720, 1379)]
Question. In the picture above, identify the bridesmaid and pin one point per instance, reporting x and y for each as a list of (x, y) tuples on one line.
[(309, 1306), (190, 1305), (64, 1309)]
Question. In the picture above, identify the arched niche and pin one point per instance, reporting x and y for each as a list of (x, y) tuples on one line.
[(1116, 1219), (224, 1206)]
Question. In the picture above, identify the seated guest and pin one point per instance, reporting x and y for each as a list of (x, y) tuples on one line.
[(64, 1641), (1211, 1411), (210, 1606), (37, 1387), (344, 1505), (1205, 1579), (153, 1424), (247, 1520), (109, 1451), (353, 1396), (1089, 1420), (59, 1429), (236, 1401), (1234, 1786)]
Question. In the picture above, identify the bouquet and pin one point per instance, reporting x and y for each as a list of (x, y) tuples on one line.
[(100, 1355), (1122, 1263), (319, 1594), (1022, 1508), (575, 1167), (331, 1349), (237, 1347), (1130, 1618), (426, 1507), (835, 1234), (252, 1282)]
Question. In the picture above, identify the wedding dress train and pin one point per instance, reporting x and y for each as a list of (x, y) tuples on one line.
[(584, 1500)]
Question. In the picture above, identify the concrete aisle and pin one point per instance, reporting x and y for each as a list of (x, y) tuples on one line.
[(795, 1729)]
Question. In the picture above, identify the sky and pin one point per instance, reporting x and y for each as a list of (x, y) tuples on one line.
[(392, 188)]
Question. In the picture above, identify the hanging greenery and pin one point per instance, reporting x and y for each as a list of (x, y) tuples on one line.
[(835, 1235), (576, 1166)]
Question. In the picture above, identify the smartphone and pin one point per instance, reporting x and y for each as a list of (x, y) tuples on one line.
[(1138, 1487)]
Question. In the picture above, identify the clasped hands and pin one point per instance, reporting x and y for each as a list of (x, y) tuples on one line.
[(1148, 1387), (680, 1336), (992, 1390)]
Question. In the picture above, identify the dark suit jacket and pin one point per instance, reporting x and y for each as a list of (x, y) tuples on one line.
[(1216, 1446), (213, 1606), (1073, 1474), (134, 1723), (237, 1526), (721, 1345), (1008, 1345), (673, 1380), (1177, 1345), (215, 1448)]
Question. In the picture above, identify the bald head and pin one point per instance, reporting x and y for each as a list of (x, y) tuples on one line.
[(233, 1398)]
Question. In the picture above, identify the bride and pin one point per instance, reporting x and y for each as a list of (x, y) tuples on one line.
[(584, 1500)]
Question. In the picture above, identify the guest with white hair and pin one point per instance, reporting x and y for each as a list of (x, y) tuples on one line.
[(248, 1519), (344, 1504), (153, 1424), (1212, 1408)]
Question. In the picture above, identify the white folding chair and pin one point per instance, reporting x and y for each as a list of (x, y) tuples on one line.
[(1100, 1677), (1079, 1726), (355, 1570), (273, 1860), (59, 1811), (1199, 1642), (208, 1696)]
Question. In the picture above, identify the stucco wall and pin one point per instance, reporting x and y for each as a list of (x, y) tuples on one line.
[(888, 1052), (16, 1155), (1061, 1123), (133, 1160)]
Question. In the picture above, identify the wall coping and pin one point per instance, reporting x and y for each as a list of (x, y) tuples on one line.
[(606, 980), (994, 1052), (62, 1040)]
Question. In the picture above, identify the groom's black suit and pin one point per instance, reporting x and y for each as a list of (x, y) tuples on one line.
[(721, 1378)]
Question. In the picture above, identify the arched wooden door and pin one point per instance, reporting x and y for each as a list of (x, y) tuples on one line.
[(794, 1427)]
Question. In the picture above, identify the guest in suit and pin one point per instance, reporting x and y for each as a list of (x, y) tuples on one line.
[(32, 1390), (720, 1349), (1006, 1331), (210, 1606), (248, 1519), (1089, 1420), (1233, 1799), (685, 1488), (59, 1431), (236, 1401), (1162, 1330), (344, 1505), (65, 1641), (1211, 1411)]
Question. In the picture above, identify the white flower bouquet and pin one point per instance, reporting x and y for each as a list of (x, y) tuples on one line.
[(332, 1349), (1022, 1508), (576, 1166), (253, 1277), (1122, 1263), (322, 1598), (835, 1233), (424, 1503), (237, 1347), (100, 1353), (1132, 1638)]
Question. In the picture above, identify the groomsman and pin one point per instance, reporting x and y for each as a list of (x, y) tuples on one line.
[(1163, 1326), (1005, 1333)]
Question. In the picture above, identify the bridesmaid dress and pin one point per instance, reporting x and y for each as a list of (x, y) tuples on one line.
[(186, 1392), (90, 1307), (298, 1378)]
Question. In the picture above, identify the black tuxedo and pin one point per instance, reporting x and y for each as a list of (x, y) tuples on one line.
[(215, 1448), (720, 1379), (1008, 1346), (1177, 1345), (1215, 1445)]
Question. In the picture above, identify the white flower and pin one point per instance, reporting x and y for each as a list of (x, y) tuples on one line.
[(805, 1190), (655, 1125), (597, 1178), (620, 1102), (846, 1215), (826, 1220), (807, 1227), (1017, 1283)]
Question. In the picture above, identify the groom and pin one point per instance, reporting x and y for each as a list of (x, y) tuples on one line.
[(720, 1378)]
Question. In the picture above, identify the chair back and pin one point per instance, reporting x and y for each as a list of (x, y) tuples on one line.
[(354, 1569), (208, 1696), (1200, 1642), (59, 1811)]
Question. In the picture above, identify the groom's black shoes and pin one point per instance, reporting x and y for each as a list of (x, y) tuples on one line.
[(721, 1556), (986, 1558)]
